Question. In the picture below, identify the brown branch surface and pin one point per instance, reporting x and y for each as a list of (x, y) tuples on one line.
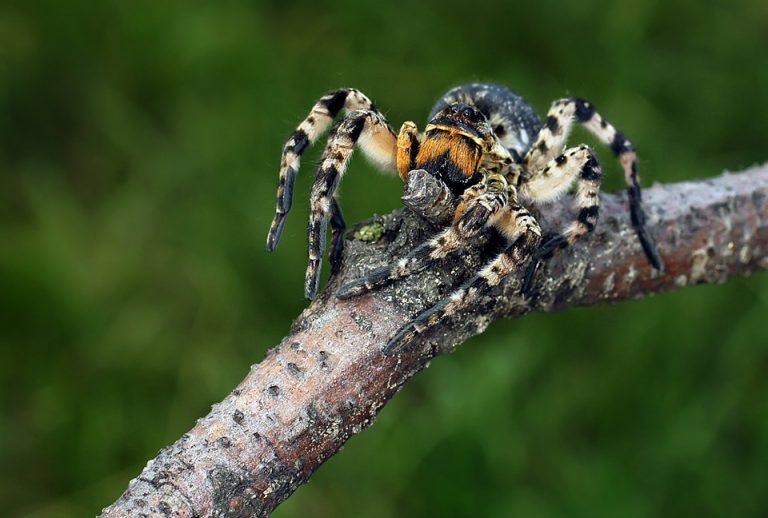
[(327, 379)]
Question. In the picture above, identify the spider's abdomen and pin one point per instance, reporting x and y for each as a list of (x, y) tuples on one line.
[(511, 117)]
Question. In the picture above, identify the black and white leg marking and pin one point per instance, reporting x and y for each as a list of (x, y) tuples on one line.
[(378, 142), (524, 234), (576, 164), (553, 136), (311, 128)]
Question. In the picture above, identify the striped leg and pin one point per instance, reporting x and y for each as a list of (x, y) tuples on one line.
[(311, 128), (553, 136), (378, 142), (523, 232), (479, 206), (577, 164)]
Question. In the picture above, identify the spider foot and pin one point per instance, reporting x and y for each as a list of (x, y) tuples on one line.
[(427, 319), (551, 243), (637, 215), (377, 278), (275, 231), (284, 201)]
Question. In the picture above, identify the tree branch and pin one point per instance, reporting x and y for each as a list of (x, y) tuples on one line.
[(327, 379)]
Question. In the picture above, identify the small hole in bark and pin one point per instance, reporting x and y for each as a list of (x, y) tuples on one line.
[(294, 369)]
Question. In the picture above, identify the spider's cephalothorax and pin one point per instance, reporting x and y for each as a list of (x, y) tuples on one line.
[(454, 142), (489, 146)]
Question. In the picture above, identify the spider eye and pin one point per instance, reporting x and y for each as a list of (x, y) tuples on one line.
[(467, 112), (453, 109)]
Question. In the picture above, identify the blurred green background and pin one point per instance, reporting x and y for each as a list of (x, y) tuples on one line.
[(139, 144)]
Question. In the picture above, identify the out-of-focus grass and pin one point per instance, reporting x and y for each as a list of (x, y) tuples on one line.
[(139, 144)]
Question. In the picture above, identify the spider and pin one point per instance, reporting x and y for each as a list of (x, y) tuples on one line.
[(490, 148)]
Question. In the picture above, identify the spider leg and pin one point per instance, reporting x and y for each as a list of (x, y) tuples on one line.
[(524, 234), (370, 130), (554, 179), (407, 148), (552, 138), (311, 128), (337, 236), (479, 207)]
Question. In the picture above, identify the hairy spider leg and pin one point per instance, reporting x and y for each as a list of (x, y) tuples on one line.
[(311, 128), (553, 136), (370, 130), (479, 206), (338, 226), (523, 232), (576, 164), (407, 148)]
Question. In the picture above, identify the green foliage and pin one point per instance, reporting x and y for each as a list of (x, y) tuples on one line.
[(139, 144)]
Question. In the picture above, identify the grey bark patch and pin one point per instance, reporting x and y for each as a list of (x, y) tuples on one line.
[(361, 321), (293, 369), (233, 495)]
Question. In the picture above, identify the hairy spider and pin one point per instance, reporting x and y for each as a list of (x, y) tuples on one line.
[(491, 149)]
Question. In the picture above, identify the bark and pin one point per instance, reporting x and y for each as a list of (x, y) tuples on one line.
[(327, 379)]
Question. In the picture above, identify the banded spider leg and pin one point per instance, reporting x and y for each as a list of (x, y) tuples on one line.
[(363, 125)]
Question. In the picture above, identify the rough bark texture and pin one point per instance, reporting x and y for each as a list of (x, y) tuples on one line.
[(327, 380)]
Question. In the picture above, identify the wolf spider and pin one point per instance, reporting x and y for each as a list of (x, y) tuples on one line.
[(490, 148)]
